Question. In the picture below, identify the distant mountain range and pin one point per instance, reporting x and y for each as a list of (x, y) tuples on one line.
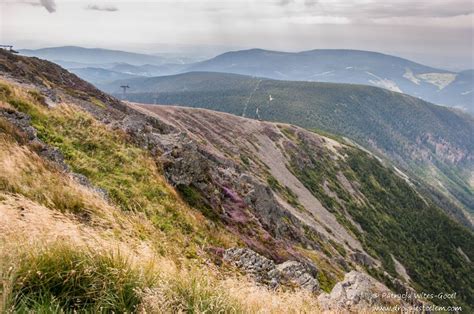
[(100, 75), (453, 89), (432, 141), (350, 66), (90, 56)]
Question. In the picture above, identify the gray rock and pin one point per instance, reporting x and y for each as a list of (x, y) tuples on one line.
[(83, 180), (267, 272), (362, 259), (21, 120), (298, 274), (251, 263), (358, 292)]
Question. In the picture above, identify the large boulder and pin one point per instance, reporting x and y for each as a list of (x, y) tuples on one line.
[(358, 292), (265, 271)]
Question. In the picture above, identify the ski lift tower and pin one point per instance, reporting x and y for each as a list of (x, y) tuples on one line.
[(124, 88), (8, 48)]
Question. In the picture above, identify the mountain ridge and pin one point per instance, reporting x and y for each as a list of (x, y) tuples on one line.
[(91, 55), (346, 66), (385, 121)]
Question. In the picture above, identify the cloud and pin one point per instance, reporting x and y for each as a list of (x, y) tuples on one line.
[(312, 20), (49, 5), (284, 2), (30, 2), (310, 3), (373, 9), (399, 8), (305, 2), (105, 8)]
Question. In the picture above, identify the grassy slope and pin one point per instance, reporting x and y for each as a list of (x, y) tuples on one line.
[(46, 272)]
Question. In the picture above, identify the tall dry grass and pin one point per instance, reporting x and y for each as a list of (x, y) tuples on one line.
[(47, 271), (67, 277)]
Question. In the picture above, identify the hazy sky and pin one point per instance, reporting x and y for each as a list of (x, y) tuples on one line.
[(435, 32)]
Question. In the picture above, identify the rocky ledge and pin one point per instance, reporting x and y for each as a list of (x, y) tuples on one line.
[(266, 271)]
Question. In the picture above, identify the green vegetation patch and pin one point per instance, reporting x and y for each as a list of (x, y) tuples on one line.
[(64, 278), (108, 158), (97, 102), (194, 198), (396, 221), (286, 192), (5, 92)]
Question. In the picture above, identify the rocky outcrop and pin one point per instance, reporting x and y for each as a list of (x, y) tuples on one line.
[(27, 135), (362, 259), (358, 292), (239, 197), (266, 271), (300, 274)]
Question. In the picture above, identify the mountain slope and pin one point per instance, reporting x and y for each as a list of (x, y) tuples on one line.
[(431, 142), (379, 209), (460, 91), (188, 186), (100, 75), (346, 66), (91, 55)]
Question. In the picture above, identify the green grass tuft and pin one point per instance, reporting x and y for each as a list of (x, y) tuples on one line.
[(194, 293), (75, 280)]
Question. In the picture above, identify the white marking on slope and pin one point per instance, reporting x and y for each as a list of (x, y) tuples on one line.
[(400, 269), (250, 97), (410, 76), (323, 73), (280, 73), (384, 83), (440, 80)]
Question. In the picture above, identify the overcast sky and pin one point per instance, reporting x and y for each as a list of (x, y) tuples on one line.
[(434, 32)]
